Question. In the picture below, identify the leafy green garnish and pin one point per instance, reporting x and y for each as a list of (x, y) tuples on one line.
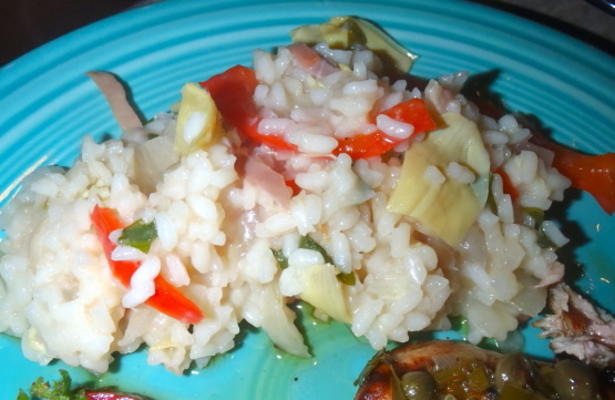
[(537, 215), (348, 278), (490, 199), (281, 259), (56, 390), (139, 235), (22, 395), (460, 324), (306, 242)]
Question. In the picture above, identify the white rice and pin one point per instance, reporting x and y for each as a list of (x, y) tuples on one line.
[(215, 232)]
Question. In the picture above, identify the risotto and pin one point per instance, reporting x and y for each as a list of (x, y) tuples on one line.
[(314, 176)]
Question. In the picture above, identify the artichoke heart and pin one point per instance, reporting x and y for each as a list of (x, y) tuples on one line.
[(324, 291), (448, 208), (199, 123), (343, 32)]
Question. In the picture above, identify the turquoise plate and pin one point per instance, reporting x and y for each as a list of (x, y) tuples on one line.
[(48, 105)]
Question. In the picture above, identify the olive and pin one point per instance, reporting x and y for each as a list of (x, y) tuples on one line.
[(418, 385), (573, 380), (513, 369)]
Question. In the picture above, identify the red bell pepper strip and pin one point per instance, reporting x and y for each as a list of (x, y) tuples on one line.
[(412, 112), (232, 92), (593, 174), (507, 185), (167, 298), (106, 395)]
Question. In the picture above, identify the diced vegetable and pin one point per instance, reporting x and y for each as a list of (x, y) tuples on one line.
[(232, 92), (323, 290), (280, 258), (343, 32), (593, 174), (167, 298), (152, 159), (198, 122), (507, 185), (277, 321), (139, 235), (348, 278), (447, 209), (306, 242), (413, 111), (461, 324)]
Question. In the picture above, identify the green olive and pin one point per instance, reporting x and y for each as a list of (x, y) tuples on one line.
[(418, 385), (573, 380), (513, 369)]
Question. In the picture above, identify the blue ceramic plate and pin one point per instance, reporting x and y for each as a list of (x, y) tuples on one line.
[(48, 105)]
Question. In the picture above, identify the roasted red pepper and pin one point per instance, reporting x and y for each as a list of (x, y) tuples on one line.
[(593, 174), (412, 112), (167, 298), (232, 92), (507, 186)]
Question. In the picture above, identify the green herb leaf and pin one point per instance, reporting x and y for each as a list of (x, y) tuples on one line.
[(306, 242), (58, 390), (347, 278), (489, 344), (280, 258), (139, 235), (490, 199), (537, 215), (460, 323), (22, 395)]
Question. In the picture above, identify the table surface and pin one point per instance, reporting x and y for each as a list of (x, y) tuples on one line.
[(26, 24)]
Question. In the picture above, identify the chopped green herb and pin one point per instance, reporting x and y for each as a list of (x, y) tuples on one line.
[(61, 390), (139, 235), (57, 390), (306, 242), (151, 135), (537, 215), (22, 395), (347, 278), (280, 258), (490, 199), (489, 344), (460, 323)]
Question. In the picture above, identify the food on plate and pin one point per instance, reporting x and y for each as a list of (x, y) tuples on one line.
[(311, 175), (62, 390), (578, 328), (456, 370)]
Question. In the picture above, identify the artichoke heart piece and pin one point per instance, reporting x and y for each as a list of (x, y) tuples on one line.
[(343, 32), (447, 209), (199, 123), (324, 291)]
